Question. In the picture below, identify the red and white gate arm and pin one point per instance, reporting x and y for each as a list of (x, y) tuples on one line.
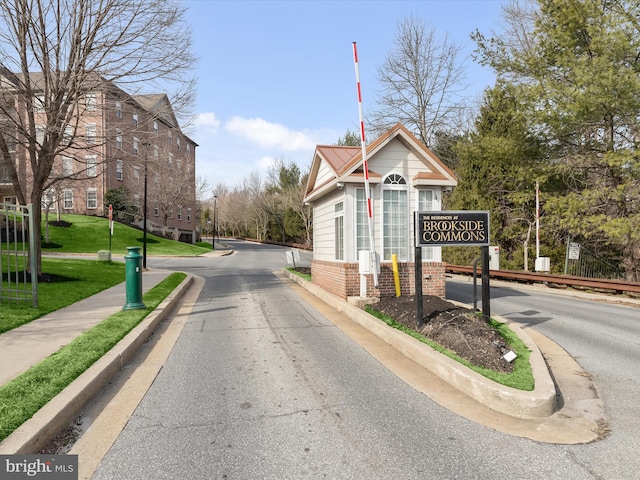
[(365, 167)]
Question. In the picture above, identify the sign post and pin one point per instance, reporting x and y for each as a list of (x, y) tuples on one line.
[(110, 226), (452, 228)]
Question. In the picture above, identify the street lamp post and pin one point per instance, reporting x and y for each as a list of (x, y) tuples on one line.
[(144, 213), (215, 221)]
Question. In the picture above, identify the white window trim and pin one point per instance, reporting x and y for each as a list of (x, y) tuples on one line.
[(91, 100), (67, 166), (428, 253), (92, 190), (92, 165), (67, 196), (119, 170), (395, 187), (91, 133)]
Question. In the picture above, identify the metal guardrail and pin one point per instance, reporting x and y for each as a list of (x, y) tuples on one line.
[(618, 286)]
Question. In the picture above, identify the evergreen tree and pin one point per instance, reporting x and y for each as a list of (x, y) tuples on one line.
[(497, 170), (575, 65)]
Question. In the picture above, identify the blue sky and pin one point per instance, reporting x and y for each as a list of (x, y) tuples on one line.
[(277, 78)]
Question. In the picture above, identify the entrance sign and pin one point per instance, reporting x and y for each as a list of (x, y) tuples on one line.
[(452, 228), (465, 228)]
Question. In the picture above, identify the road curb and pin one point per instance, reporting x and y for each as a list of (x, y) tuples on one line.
[(37, 432), (539, 403)]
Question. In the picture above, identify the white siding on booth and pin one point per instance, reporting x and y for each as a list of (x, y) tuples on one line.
[(323, 227), (324, 173)]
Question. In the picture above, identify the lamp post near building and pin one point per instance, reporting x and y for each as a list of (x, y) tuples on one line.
[(144, 211), (215, 221)]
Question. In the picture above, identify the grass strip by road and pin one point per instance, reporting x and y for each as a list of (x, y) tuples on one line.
[(72, 281), (23, 396), (520, 378)]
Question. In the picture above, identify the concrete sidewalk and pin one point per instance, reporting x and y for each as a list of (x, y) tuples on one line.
[(25, 346)]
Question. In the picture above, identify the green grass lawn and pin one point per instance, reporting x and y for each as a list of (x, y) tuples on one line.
[(75, 280), (23, 396), (90, 234), (72, 281)]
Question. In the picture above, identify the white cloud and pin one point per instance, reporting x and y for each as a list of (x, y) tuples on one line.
[(270, 135), (207, 121)]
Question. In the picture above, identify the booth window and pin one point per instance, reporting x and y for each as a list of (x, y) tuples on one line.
[(395, 218), (339, 230)]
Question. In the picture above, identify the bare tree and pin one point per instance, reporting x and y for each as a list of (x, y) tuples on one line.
[(170, 185), (54, 53), (421, 82)]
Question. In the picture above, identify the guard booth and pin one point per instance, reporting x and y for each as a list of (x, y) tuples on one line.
[(404, 177)]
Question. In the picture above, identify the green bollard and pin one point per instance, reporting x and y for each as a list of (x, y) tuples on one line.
[(133, 264)]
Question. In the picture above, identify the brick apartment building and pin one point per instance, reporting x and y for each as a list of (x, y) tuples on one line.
[(115, 140)]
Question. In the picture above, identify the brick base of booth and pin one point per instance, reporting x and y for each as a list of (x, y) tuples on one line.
[(343, 279)]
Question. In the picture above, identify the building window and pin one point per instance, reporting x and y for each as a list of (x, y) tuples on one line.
[(38, 104), (67, 166), (136, 200), (119, 169), (118, 109), (136, 172), (92, 162), (40, 130), (119, 139), (188, 148), (92, 198), (67, 195), (179, 213), (395, 215), (10, 141), (135, 119), (156, 209), (48, 199), (136, 145), (90, 102), (362, 221), (178, 143), (90, 132), (169, 138), (189, 215), (426, 204), (10, 200), (155, 127), (170, 161), (339, 230), (156, 152), (67, 135)]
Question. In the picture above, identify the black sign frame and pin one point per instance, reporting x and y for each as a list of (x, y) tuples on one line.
[(452, 228)]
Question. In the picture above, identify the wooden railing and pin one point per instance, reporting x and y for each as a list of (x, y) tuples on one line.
[(618, 286)]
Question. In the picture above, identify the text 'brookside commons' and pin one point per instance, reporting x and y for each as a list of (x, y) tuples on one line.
[(452, 228)]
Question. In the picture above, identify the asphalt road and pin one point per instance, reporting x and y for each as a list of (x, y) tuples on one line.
[(260, 385), (604, 338)]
